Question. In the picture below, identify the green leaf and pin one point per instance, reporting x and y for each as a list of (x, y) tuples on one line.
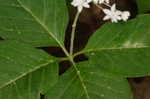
[(30, 86), (25, 71), (143, 5), (37, 22), (98, 84), (115, 51), (122, 48)]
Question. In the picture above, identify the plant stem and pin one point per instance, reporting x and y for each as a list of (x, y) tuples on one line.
[(99, 6), (102, 7), (73, 33), (107, 4), (71, 57)]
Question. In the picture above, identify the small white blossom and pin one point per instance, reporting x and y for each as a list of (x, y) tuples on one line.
[(112, 14), (107, 1), (125, 15), (100, 1), (80, 4), (95, 1)]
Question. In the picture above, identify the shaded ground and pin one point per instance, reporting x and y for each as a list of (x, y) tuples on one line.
[(141, 87)]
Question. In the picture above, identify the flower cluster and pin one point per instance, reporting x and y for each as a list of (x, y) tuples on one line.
[(112, 13)]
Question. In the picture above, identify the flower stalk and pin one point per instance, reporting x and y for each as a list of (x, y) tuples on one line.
[(73, 33), (112, 13)]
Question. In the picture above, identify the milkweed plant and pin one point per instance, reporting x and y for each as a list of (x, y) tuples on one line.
[(118, 50)]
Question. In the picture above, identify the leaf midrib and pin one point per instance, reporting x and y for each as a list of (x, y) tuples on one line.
[(44, 26), (55, 38), (24, 74), (108, 49)]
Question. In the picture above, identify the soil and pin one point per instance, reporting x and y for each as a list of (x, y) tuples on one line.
[(140, 87)]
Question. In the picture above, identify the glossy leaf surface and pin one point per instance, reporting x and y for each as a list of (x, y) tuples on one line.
[(36, 22), (126, 50), (143, 5), (25, 71), (99, 84)]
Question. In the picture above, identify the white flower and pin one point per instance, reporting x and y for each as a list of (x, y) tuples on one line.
[(80, 4), (112, 14), (125, 15), (107, 1), (95, 1), (100, 1)]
